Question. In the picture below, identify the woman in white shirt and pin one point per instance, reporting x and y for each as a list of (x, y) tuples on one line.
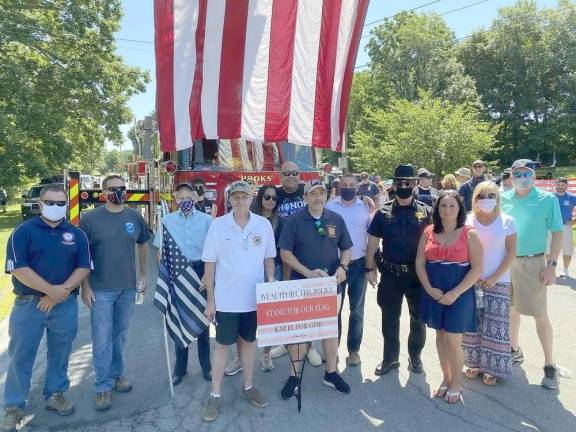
[(488, 352)]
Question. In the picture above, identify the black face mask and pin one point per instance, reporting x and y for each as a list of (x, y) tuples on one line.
[(403, 192), (347, 194)]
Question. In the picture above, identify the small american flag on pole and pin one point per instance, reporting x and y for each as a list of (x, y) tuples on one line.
[(178, 294)]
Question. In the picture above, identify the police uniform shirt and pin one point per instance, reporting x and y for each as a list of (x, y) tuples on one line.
[(52, 253), (400, 228), (315, 251)]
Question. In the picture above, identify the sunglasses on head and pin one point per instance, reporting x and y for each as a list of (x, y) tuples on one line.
[(51, 203), (269, 197), (490, 195), (448, 193), (293, 173), (319, 228), (116, 188), (402, 183)]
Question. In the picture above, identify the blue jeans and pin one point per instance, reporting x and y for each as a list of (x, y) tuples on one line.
[(110, 316), (26, 328), (356, 284)]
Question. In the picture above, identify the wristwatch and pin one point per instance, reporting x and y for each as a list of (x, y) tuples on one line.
[(552, 263)]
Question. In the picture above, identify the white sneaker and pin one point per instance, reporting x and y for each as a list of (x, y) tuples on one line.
[(267, 363), (565, 274), (234, 367), (278, 351), (313, 357)]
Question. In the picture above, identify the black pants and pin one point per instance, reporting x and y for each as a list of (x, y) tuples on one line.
[(203, 342), (391, 291)]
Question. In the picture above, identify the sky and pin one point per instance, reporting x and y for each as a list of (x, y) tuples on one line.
[(136, 36)]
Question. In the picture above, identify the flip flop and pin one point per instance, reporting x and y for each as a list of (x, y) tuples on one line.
[(489, 380), (453, 397), (472, 373), (441, 392)]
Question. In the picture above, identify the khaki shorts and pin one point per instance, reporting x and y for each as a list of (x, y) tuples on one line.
[(567, 241), (528, 293)]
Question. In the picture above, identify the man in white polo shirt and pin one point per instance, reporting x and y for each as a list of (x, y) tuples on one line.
[(357, 217), (239, 248)]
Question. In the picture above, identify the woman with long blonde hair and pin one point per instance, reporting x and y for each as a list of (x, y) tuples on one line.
[(487, 351)]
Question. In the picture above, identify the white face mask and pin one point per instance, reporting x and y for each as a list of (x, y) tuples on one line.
[(53, 213), (486, 205), (523, 183)]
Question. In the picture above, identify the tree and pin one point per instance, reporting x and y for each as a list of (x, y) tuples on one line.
[(430, 132), (524, 67), (64, 90), (413, 52)]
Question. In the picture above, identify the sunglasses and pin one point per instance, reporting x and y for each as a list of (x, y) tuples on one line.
[(526, 174), (116, 188), (448, 193), (293, 173), (269, 197), (403, 183), (319, 229), (51, 203), (490, 195)]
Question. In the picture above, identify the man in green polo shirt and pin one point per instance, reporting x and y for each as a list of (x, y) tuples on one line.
[(535, 212)]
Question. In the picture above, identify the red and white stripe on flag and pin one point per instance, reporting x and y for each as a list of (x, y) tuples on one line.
[(261, 70)]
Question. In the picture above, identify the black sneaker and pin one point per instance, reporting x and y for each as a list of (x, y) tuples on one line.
[(290, 389), (517, 355), (550, 380), (415, 365), (336, 382)]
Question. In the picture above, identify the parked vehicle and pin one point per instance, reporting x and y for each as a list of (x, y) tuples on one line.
[(30, 206)]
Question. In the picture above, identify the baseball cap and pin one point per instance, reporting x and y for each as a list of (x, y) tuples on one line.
[(313, 184), (240, 186), (523, 163), (423, 172), (464, 172)]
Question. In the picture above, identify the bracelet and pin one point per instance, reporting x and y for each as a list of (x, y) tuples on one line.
[(344, 267)]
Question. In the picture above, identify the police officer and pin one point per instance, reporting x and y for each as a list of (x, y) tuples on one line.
[(399, 224), (48, 258)]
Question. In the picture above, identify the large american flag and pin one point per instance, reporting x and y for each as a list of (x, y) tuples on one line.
[(178, 294), (263, 70)]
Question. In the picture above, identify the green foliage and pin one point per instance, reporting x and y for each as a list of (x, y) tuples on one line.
[(114, 161), (64, 90), (433, 133), (524, 67)]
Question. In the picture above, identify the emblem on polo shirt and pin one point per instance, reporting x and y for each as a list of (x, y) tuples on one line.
[(257, 239), (129, 227), (68, 238), (331, 230)]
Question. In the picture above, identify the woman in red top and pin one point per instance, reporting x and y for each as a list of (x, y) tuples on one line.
[(448, 264)]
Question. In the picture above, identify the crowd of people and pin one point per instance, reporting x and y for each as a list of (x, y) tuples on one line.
[(470, 259)]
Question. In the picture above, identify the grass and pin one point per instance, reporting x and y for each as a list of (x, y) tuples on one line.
[(569, 171), (7, 223)]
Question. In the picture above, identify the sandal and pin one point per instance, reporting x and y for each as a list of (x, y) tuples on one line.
[(453, 397), (472, 373), (489, 380), (441, 392)]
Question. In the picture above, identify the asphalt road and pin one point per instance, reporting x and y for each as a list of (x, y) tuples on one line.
[(399, 401)]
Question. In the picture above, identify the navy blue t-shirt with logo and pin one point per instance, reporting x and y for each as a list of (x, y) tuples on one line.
[(113, 238), (53, 253), (290, 202)]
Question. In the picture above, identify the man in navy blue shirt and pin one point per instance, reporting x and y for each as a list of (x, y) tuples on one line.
[(48, 258), (467, 189), (315, 243), (567, 203)]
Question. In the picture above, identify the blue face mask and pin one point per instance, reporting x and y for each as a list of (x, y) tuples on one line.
[(186, 205), (347, 194)]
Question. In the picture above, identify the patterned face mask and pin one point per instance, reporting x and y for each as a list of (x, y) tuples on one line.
[(186, 205), (117, 197)]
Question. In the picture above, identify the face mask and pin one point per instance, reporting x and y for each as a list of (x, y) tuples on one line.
[(186, 205), (117, 197), (53, 213), (347, 194), (523, 183), (403, 192), (486, 205)]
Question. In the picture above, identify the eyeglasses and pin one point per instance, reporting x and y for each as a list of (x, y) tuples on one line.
[(490, 195), (525, 174), (116, 188), (403, 183), (319, 228), (293, 173), (269, 197), (51, 203), (448, 193)]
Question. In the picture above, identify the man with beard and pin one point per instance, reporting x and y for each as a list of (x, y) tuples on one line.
[(400, 224)]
